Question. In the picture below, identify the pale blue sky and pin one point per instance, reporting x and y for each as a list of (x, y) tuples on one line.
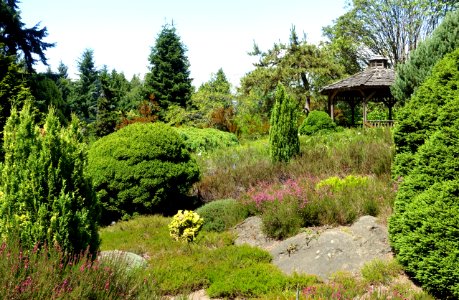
[(217, 34)]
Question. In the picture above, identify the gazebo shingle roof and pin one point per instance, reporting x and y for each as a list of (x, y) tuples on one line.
[(369, 78)]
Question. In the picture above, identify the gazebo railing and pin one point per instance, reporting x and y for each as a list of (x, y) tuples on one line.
[(379, 123)]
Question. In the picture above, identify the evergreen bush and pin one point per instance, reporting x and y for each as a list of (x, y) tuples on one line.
[(283, 133), (47, 197), (206, 139), (142, 168), (221, 215), (317, 122), (417, 120), (423, 229)]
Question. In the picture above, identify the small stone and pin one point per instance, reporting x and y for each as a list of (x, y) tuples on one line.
[(318, 251)]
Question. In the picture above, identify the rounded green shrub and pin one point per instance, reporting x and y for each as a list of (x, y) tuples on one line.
[(317, 122), (221, 215), (206, 139), (143, 168)]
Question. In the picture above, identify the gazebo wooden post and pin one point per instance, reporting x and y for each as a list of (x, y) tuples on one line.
[(331, 108), (365, 102), (352, 105)]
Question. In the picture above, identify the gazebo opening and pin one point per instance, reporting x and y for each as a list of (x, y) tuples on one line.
[(370, 85)]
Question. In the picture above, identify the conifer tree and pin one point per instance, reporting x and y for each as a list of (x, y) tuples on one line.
[(83, 102), (283, 133), (45, 195), (168, 81)]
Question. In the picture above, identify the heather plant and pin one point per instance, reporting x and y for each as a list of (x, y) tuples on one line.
[(317, 122), (143, 169), (336, 184), (47, 196), (200, 140), (283, 133), (46, 272), (281, 218)]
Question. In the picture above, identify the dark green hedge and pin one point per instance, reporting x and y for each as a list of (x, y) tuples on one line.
[(142, 168)]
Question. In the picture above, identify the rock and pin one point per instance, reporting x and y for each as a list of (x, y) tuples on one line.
[(322, 252), (132, 260)]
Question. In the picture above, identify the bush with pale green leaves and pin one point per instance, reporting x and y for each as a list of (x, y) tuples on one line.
[(335, 183), (185, 226)]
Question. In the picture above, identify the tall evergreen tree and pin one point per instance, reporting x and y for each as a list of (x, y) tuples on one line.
[(87, 90), (14, 38), (168, 81), (283, 133)]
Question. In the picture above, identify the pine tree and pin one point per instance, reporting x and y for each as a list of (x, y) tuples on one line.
[(168, 81), (83, 102), (283, 133), (45, 194)]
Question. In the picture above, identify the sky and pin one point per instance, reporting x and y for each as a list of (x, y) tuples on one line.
[(217, 34)]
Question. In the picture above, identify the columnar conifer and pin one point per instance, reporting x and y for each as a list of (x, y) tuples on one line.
[(283, 133), (45, 196)]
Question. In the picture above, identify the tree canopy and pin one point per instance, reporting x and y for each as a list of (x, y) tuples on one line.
[(15, 38), (168, 81), (392, 28)]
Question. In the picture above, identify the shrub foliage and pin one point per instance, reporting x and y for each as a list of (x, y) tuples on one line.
[(142, 168), (317, 122), (206, 139), (423, 229), (221, 215), (283, 134), (47, 197), (185, 226)]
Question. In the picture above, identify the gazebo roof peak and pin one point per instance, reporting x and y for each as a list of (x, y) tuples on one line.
[(378, 61)]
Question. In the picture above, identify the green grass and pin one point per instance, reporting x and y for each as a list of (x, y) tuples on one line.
[(228, 271), (212, 262)]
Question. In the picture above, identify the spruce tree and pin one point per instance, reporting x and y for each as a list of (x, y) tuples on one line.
[(168, 81), (45, 194), (87, 90), (283, 133)]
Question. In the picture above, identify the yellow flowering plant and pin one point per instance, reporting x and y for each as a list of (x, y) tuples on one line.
[(185, 226)]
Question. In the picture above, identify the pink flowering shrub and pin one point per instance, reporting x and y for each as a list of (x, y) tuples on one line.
[(268, 192), (46, 273)]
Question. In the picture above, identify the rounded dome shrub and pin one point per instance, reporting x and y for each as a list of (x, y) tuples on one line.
[(221, 215), (317, 121), (143, 168)]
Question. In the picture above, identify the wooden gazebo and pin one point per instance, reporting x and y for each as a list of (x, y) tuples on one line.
[(372, 84)]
